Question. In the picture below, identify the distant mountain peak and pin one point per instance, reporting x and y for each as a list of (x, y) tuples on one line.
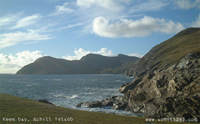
[(122, 55), (45, 58), (91, 56)]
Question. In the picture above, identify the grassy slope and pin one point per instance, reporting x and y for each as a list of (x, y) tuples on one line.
[(171, 50), (13, 107), (183, 43)]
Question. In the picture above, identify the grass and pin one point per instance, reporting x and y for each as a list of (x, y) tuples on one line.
[(12, 107), (172, 50), (175, 48)]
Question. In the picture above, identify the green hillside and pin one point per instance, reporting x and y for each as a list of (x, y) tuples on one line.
[(170, 51)]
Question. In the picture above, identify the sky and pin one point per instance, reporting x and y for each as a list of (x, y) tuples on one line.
[(71, 29)]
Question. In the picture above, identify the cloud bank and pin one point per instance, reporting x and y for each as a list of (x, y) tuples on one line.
[(79, 53), (63, 9), (187, 4), (10, 39), (27, 21), (148, 5), (6, 20), (133, 28), (113, 5), (11, 63)]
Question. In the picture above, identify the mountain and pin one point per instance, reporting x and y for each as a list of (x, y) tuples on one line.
[(167, 81), (89, 64)]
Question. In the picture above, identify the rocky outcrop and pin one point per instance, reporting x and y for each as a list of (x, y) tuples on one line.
[(115, 102), (166, 80), (173, 91), (124, 88)]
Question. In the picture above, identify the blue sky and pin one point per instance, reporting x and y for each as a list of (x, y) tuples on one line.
[(70, 29)]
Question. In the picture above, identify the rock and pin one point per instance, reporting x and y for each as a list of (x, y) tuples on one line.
[(115, 102), (129, 86), (79, 105), (45, 101), (170, 92), (107, 102), (120, 106), (94, 104)]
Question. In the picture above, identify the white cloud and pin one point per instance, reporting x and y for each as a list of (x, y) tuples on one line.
[(136, 54), (8, 19), (197, 22), (63, 9), (134, 28), (149, 5), (27, 21), (13, 62), (70, 26), (187, 4), (114, 5), (79, 53), (10, 39)]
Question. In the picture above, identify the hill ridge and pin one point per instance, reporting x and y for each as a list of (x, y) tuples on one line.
[(89, 64)]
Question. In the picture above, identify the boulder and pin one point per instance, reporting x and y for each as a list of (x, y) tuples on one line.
[(115, 102), (94, 104)]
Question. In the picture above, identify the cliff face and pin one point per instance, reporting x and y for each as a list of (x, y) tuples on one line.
[(89, 64), (167, 81)]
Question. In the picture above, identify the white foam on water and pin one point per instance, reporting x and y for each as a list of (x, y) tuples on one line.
[(74, 96), (60, 96)]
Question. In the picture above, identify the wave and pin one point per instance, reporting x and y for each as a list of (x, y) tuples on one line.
[(118, 81), (60, 96), (88, 93), (110, 89), (55, 79), (64, 96), (74, 96)]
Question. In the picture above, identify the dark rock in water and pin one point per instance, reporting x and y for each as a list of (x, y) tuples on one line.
[(45, 101), (94, 104), (115, 102), (79, 105), (120, 106)]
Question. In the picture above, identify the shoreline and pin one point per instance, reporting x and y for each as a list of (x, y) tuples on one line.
[(13, 107), (20, 110)]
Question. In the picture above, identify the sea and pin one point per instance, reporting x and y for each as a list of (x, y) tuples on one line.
[(66, 90)]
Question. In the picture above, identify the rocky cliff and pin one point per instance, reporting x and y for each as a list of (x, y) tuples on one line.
[(170, 92), (167, 79)]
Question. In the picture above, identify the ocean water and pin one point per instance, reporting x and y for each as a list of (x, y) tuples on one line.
[(66, 90)]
